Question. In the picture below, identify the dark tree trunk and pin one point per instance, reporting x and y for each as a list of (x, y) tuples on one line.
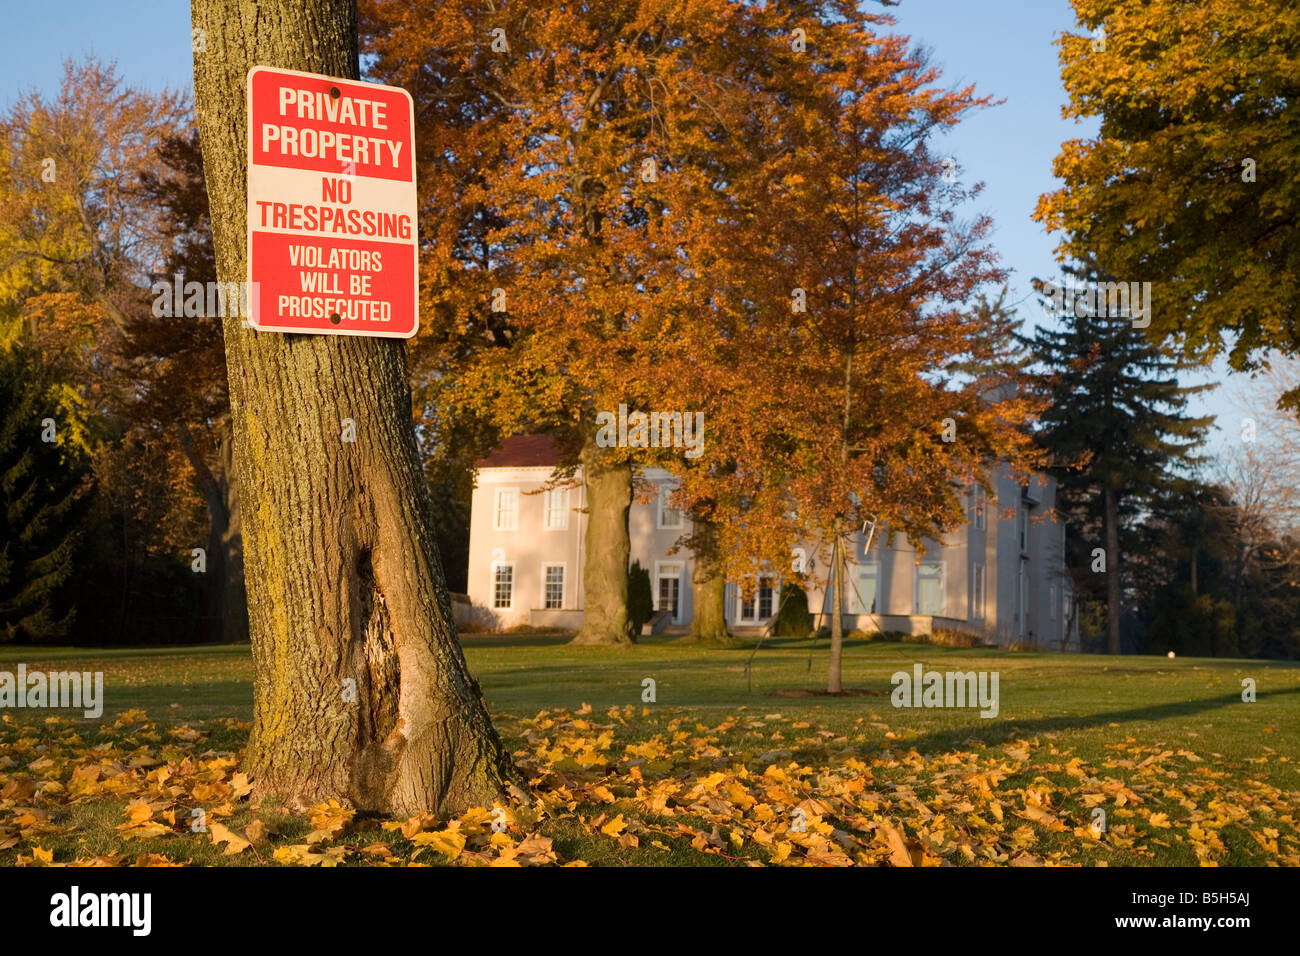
[(361, 692), (227, 601), (234, 601), (1112, 571)]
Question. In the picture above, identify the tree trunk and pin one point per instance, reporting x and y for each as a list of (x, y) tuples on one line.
[(708, 588), (227, 602), (361, 692), (833, 678), (709, 597), (837, 558), (608, 548), (1238, 584), (1112, 571)]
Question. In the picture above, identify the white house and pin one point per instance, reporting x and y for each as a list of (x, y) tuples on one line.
[(1001, 575)]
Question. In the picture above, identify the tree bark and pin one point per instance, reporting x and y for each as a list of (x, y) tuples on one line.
[(361, 692), (1112, 570), (834, 674), (608, 548), (835, 669), (709, 597), (708, 588)]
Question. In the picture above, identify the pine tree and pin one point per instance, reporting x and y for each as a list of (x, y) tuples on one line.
[(1116, 428), (42, 486), (997, 358)]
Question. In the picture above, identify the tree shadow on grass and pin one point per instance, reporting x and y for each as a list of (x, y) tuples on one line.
[(999, 731), (493, 639)]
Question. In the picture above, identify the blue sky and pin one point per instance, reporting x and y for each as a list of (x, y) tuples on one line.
[(1004, 47)]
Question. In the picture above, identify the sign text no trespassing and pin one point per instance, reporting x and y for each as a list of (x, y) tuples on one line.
[(332, 239)]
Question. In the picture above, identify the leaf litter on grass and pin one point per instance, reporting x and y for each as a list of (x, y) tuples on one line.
[(748, 790)]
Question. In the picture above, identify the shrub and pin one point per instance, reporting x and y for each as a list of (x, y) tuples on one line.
[(640, 601), (948, 637), (792, 619)]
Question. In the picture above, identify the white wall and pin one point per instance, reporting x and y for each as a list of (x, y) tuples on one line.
[(531, 545)]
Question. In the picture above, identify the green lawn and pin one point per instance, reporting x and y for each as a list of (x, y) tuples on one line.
[(1191, 761)]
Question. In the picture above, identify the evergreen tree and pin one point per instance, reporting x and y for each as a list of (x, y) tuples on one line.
[(997, 359), (1116, 429), (42, 485), (640, 598)]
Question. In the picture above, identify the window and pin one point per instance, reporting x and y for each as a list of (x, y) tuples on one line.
[(1051, 603), (977, 592), (1067, 598), (552, 586), (979, 505), (669, 517), (929, 587), (764, 601), (862, 598), (668, 588), (503, 586), (557, 509), (1022, 528), (759, 606), (506, 510)]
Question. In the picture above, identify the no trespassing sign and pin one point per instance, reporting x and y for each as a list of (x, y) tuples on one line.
[(332, 237)]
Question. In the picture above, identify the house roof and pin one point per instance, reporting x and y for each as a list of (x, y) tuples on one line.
[(522, 451)]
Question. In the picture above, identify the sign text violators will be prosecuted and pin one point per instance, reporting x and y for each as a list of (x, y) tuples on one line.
[(332, 243)]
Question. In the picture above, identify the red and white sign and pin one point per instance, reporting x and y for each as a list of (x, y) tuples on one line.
[(331, 206)]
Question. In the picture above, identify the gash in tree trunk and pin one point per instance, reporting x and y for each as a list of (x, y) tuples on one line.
[(608, 547), (361, 692)]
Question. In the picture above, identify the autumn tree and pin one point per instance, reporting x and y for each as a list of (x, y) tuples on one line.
[(179, 366), (75, 240), (361, 691), (579, 195), (80, 238), (1193, 179), (847, 290)]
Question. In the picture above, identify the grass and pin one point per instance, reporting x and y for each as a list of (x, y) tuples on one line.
[(1102, 710)]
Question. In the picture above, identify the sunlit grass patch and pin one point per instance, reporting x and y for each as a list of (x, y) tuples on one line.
[(716, 770)]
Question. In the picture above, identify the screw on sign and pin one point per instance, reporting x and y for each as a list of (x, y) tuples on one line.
[(331, 206)]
